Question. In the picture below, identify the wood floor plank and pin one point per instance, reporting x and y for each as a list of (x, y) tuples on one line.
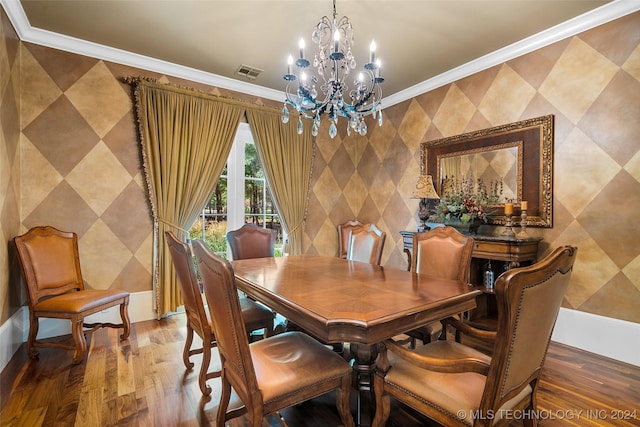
[(14, 407), (70, 399), (33, 417), (143, 382), (90, 407), (126, 377)]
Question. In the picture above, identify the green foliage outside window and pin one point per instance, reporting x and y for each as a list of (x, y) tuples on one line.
[(214, 235)]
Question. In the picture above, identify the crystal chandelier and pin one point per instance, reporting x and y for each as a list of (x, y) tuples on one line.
[(323, 87)]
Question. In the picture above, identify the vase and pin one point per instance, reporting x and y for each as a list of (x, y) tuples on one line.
[(470, 227)]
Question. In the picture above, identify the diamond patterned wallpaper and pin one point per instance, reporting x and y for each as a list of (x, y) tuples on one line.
[(591, 83), (69, 157), (11, 293)]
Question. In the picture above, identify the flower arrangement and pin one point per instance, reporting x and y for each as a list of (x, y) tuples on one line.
[(467, 200)]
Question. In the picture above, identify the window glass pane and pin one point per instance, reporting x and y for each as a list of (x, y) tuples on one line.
[(254, 200), (259, 206), (252, 165)]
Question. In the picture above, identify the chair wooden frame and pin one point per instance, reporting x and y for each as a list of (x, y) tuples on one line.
[(343, 236), (50, 264), (273, 373), (366, 243), (251, 241), (255, 316), (484, 390)]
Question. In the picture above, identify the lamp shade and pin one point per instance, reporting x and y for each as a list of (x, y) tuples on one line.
[(424, 188)]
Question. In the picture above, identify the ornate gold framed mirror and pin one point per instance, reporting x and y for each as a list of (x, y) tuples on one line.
[(518, 156)]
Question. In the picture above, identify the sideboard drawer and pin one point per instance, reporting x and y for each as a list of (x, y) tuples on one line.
[(516, 251)]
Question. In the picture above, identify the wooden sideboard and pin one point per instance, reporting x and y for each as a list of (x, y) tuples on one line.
[(505, 252)]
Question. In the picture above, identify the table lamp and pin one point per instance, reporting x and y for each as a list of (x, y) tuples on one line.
[(424, 191)]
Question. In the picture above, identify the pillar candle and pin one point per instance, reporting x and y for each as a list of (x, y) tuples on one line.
[(523, 205), (508, 208)]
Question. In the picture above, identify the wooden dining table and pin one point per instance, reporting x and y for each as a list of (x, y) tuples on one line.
[(340, 301)]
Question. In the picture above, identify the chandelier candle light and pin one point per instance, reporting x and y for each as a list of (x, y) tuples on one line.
[(322, 87)]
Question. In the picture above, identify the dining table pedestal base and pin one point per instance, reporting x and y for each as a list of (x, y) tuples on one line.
[(364, 365)]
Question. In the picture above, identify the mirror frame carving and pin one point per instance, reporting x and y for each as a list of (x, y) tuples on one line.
[(535, 136)]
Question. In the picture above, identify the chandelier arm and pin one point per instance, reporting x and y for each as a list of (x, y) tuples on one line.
[(304, 113), (357, 94), (362, 102)]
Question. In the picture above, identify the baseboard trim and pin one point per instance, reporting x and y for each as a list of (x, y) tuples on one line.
[(14, 331), (606, 336)]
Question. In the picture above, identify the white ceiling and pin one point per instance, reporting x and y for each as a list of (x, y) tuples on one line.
[(419, 42)]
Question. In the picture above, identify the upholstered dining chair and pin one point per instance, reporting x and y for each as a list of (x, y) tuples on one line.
[(270, 374), (50, 264), (445, 253), (254, 315), (365, 244), (343, 236), (251, 241), (457, 385)]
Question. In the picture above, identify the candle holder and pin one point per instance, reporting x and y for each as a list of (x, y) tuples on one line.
[(508, 231), (523, 225)]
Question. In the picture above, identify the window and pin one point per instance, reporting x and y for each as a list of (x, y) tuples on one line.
[(241, 196)]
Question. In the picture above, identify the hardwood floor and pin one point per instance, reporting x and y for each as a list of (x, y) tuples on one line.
[(143, 382)]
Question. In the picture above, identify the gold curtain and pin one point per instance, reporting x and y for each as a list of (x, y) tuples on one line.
[(287, 159), (186, 138)]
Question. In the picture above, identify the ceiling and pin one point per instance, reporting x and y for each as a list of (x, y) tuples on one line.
[(418, 40)]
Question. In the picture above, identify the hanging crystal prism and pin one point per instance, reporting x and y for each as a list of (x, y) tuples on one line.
[(285, 114), (362, 128), (300, 125), (353, 122), (333, 130), (316, 125), (380, 118)]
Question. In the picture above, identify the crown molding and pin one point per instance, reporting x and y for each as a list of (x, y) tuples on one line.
[(586, 21), (599, 16)]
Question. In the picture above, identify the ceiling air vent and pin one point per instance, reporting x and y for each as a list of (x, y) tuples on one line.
[(248, 71)]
